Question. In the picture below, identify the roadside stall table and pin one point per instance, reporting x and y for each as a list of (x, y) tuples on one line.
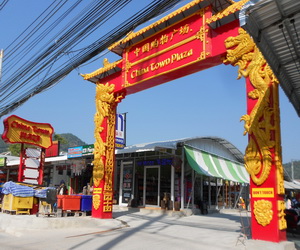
[(17, 198)]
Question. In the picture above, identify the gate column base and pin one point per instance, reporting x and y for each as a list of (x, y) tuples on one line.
[(260, 244)]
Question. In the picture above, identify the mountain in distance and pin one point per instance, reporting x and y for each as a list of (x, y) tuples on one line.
[(71, 141), (3, 146)]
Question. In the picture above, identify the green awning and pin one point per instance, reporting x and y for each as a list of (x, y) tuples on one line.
[(215, 166)]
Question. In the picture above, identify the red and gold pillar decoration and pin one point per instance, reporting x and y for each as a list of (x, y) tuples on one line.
[(104, 150), (262, 124)]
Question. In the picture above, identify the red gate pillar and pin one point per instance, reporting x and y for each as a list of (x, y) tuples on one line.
[(104, 150), (263, 153)]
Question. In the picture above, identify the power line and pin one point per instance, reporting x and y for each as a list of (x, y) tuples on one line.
[(24, 83), (2, 5)]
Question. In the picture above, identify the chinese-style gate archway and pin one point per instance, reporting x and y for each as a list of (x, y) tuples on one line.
[(195, 37)]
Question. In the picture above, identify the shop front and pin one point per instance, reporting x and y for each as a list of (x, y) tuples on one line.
[(171, 175), (145, 183), (181, 174)]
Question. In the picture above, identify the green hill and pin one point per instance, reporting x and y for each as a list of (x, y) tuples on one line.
[(71, 141), (3, 146)]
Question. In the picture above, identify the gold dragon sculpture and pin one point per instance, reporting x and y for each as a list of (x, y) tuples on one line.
[(242, 52), (261, 123), (105, 108)]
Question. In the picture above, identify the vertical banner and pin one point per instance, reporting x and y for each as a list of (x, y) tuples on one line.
[(120, 131)]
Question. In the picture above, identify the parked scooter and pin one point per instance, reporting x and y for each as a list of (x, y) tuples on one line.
[(292, 219)]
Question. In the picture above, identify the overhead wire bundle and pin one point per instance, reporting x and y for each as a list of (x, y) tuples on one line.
[(48, 66)]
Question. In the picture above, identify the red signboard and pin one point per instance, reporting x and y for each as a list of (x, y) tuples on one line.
[(53, 150), (18, 130), (181, 44)]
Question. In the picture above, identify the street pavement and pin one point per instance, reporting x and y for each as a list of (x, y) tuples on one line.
[(134, 229)]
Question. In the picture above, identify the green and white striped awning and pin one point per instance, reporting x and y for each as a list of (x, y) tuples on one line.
[(212, 165)]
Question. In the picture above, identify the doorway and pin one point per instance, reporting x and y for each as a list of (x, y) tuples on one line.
[(126, 183), (151, 186)]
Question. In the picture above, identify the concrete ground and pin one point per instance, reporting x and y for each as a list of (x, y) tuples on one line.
[(133, 229)]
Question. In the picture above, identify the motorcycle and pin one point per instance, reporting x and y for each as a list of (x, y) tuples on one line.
[(292, 219)]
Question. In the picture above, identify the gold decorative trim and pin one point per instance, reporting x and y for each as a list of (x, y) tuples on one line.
[(110, 146), (278, 152), (96, 201), (107, 202), (106, 67), (281, 216), (263, 212), (104, 99), (259, 124), (132, 35), (226, 12), (105, 107), (201, 34)]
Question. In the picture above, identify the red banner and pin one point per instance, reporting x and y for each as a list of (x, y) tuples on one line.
[(177, 46)]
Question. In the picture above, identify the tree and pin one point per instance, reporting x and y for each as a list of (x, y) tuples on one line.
[(58, 137), (15, 149)]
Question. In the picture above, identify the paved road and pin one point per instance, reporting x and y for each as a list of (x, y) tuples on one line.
[(129, 230)]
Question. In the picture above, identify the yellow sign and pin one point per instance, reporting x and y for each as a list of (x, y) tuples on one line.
[(18, 130), (97, 190), (263, 192)]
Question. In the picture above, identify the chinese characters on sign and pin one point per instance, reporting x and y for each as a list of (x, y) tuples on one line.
[(164, 38), (174, 47), (18, 130)]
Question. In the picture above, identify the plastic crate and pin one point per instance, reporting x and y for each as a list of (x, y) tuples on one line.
[(69, 202), (86, 203), (59, 200), (17, 204), (35, 209)]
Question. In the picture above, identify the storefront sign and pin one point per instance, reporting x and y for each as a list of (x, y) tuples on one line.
[(161, 162), (263, 192), (18, 130), (177, 46), (120, 131), (87, 150), (75, 152), (127, 183), (80, 151), (2, 161)]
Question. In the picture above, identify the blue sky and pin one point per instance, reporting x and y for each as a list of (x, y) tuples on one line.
[(208, 103)]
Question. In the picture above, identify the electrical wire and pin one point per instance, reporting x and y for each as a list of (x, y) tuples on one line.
[(38, 39), (2, 5), (25, 83), (289, 47)]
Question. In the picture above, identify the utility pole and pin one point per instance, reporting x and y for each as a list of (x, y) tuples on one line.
[(292, 170), (125, 134), (1, 58)]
